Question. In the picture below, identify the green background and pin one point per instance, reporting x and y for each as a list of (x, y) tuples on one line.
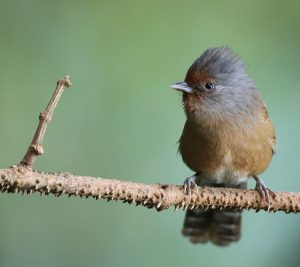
[(121, 120)]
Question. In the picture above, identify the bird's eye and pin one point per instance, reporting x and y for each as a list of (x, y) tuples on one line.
[(209, 86)]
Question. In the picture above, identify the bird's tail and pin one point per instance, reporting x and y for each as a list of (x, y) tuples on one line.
[(219, 227)]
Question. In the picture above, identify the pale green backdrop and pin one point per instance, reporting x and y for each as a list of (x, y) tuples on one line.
[(121, 120)]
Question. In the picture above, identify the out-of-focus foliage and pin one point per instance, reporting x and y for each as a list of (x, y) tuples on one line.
[(121, 120)]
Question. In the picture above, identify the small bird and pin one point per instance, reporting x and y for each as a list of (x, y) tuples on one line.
[(227, 138)]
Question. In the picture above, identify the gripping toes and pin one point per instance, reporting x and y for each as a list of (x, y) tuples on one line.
[(189, 184), (264, 191)]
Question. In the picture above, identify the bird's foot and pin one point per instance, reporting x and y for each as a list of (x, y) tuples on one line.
[(264, 191), (189, 184)]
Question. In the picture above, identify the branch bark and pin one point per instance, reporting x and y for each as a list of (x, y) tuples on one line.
[(36, 149), (21, 178)]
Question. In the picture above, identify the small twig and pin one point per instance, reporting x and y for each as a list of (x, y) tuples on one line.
[(24, 180), (36, 149)]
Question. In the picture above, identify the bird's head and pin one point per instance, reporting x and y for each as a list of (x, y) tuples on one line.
[(217, 84)]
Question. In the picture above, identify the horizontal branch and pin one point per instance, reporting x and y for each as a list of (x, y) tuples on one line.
[(24, 180), (21, 178)]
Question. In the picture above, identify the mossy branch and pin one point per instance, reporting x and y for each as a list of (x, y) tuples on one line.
[(22, 179)]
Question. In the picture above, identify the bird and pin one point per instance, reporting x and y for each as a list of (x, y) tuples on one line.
[(227, 138)]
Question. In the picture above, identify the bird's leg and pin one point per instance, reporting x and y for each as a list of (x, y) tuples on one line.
[(190, 183), (262, 189)]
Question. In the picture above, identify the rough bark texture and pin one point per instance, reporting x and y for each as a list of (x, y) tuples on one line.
[(22, 179), (36, 149)]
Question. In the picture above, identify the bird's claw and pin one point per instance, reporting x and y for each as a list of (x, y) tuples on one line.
[(189, 184), (264, 191)]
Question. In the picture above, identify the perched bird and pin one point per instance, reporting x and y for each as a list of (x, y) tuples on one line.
[(227, 138)]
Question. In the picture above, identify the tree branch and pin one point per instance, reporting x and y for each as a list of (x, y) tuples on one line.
[(21, 178), (159, 196), (36, 149)]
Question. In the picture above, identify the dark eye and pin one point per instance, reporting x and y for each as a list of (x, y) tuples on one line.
[(209, 86)]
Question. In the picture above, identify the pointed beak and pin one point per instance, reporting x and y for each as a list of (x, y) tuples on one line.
[(182, 86)]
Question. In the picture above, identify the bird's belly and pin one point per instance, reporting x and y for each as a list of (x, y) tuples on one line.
[(224, 175), (217, 163), (202, 155), (215, 166), (223, 157)]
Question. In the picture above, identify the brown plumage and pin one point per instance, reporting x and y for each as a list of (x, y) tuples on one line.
[(227, 138)]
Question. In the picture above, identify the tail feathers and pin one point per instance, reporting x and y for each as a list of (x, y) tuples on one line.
[(196, 225), (225, 227), (219, 227)]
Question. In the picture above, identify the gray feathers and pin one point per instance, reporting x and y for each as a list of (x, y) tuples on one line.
[(227, 137), (235, 99), (224, 65)]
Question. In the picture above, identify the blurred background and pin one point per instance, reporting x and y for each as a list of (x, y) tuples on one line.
[(121, 120)]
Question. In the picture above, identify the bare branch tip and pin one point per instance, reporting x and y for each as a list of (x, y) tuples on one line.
[(66, 82)]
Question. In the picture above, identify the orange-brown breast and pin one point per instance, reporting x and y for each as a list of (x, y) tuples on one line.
[(254, 152), (238, 150), (199, 151)]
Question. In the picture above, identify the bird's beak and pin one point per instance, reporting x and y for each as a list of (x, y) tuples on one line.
[(182, 86)]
